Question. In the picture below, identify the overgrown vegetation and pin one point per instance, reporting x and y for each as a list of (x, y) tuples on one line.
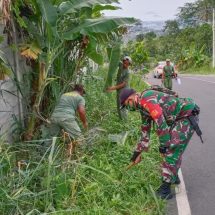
[(187, 40), (95, 181), (57, 39)]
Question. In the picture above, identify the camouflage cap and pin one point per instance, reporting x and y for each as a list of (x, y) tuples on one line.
[(168, 60), (125, 93)]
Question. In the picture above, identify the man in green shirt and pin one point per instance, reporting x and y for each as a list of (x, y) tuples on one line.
[(122, 82), (64, 115), (168, 73)]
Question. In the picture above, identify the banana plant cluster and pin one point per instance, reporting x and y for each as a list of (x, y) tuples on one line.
[(58, 37), (192, 57)]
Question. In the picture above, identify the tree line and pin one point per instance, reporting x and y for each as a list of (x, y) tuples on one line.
[(187, 40)]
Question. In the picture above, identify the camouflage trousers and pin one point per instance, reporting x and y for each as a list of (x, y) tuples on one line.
[(168, 83), (181, 134)]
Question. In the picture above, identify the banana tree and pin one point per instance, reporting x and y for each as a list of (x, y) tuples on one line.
[(193, 57), (56, 36)]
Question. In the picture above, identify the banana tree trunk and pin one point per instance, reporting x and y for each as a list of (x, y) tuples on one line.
[(35, 106)]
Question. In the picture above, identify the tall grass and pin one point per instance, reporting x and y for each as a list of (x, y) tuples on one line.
[(95, 180), (204, 70)]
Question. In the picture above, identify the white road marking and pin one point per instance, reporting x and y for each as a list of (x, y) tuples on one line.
[(199, 79), (181, 198)]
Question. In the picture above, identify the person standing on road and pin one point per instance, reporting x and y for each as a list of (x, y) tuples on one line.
[(174, 127), (168, 73), (122, 82)]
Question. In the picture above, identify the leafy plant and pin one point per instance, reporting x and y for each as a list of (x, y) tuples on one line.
[(5, 69), (58, 40), (114, 54), (95, 181)]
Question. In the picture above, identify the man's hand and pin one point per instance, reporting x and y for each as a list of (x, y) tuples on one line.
[(85, 125), (109, 89), (163, 149), (136, 157), (116, 87), (82, 115)]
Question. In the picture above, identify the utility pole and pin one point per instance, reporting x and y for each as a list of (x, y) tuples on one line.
[(213, 28)]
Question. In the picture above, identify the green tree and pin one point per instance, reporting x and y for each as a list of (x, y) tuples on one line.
[(171, 27), (140, 37), (199, 12), (139, 55), (150, 35), (147, 36), (51, 29), (188, 14)]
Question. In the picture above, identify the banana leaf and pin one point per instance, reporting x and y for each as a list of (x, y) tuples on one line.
[(114, 57), (92, 52), (76, 5), (49, 12), (104, 7), (100, 25)]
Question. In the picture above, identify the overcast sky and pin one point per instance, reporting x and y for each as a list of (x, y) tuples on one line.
[(149, 10)]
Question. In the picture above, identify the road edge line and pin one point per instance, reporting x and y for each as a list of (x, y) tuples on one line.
[(181, 197)]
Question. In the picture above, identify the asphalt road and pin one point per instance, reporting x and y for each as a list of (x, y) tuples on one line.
[(198, 166)]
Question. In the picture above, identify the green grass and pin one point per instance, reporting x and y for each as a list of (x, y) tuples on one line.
[(95, 181), (205, 70)]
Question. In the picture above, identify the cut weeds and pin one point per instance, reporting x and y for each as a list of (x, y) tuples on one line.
[(94, 181)]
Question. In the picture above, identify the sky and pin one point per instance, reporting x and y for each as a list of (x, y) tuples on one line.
[(149, 10)]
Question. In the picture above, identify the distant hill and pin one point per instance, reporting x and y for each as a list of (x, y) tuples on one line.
[(143, 27), (156, 26)]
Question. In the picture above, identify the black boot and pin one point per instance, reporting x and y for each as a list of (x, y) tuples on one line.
[(164, 191), (177, 180)]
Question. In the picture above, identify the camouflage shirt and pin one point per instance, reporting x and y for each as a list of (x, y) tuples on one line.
[(160, 107)]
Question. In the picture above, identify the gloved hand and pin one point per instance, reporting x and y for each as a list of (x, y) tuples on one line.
[(163, 149), (134, 156)]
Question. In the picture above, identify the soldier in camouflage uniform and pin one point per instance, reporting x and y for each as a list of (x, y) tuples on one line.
[(168, 73), (170, 114)]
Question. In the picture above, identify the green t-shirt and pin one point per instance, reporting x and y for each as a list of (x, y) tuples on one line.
[(123, 75), (67, 106), (168, 71)]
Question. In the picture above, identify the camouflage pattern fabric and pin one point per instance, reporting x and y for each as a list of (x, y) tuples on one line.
[(174, 134), (180, 136)]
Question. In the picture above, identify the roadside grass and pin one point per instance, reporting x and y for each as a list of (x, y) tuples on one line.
[(95, 180), (205, 70)]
